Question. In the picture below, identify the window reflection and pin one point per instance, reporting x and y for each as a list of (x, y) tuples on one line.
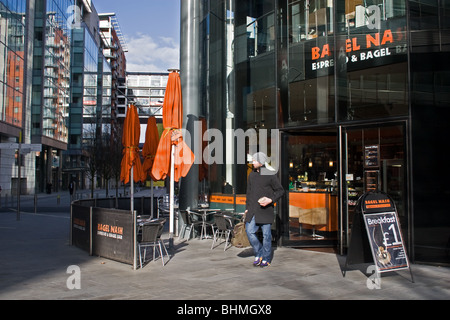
[(55, 86), (370, 60), (374, 75), (260, 34), (12, 37), (310, 19)]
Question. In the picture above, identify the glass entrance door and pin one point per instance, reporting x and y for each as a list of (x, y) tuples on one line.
[(312, 213), (328, 170), (375, 161)]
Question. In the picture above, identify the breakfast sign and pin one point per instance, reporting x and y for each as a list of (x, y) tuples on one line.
[(382, 241), (355, 52)]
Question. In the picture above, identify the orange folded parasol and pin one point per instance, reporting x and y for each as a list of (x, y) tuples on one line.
[(150, 146), (130, 141), (172, 122)]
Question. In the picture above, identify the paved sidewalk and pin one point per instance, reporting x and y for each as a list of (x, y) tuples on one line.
[(36, 255)]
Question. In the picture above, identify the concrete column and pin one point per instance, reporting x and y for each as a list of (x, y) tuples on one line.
[(190, 81), (48, 166)]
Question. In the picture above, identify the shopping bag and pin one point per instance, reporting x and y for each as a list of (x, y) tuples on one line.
[(240, 239)]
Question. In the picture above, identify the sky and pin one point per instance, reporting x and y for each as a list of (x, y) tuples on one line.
[(151, 29)]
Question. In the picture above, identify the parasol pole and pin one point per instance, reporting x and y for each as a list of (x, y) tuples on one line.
[(132, 191), (172, 192), (134, 219), (151, 198)]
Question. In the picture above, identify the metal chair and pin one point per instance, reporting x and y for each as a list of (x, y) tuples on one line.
[(225, 228), (188, 223), (151, 237), (163, 205)]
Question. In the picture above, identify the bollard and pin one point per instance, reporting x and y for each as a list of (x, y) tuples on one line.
[(35, 203), (58, 199)]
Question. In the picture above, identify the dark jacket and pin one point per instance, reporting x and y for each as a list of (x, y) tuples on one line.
[(262, 185)]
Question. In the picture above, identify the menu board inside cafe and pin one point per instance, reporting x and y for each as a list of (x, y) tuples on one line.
[(371, 156)]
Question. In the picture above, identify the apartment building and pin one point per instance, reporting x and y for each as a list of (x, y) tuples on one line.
[(146, 90), (56, 92), (114, 49), (14, 118)]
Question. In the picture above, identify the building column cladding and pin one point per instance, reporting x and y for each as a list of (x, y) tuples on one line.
[(189, 74)]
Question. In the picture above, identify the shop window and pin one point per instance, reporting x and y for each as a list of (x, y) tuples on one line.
[(373, 78), (311, 102), (377, 93), (312, 174), (261, 35), (310, 19)]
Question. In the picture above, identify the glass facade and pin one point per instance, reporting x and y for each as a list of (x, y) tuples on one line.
[(83, 109), (12, 65), (90, 90), (147, 91), (346, 64), (105, 94), (354, 88), (430, 101), (90, 108), (51, 70), (53, 78)]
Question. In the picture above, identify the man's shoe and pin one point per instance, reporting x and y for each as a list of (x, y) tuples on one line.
[(257, 262), (264, 264)]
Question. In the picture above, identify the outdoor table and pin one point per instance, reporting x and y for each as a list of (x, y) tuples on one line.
[(204, 213)]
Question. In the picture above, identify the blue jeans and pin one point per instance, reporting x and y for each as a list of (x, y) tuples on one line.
[(263, 250)]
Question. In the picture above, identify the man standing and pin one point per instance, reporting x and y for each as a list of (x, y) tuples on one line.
[(71, 188), (263, 190)]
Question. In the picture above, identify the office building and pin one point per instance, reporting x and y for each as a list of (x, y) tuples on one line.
[(356, 97), (147, 90), (114, 49), (15, 120), (56, 91)]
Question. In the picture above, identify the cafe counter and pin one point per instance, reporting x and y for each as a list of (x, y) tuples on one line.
[(315, 208)]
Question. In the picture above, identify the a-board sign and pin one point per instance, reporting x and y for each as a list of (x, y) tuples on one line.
[(382, 236), (386, 241)]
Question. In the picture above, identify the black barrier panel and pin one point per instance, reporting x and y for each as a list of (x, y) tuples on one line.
[(109, 233), (107, 203), (141, 205), (123, 203), (86, 203), (80, 224), (113, 234)]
